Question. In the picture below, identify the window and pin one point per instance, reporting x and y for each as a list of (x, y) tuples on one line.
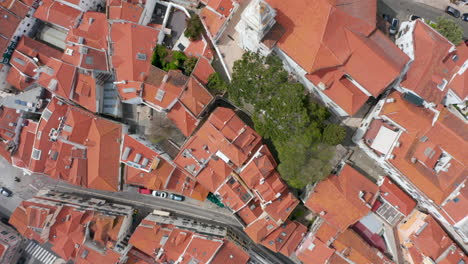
[(4, 232), (12, 237)]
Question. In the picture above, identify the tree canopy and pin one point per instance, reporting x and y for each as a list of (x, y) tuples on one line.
[(282, 112), (194, 28), (449, 29)]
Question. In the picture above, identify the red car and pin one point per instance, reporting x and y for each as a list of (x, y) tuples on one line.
[(144, 190)]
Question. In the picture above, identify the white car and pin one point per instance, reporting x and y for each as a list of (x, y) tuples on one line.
[(159, 194)]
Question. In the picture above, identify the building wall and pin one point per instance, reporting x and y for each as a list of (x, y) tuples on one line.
[(12, 241)]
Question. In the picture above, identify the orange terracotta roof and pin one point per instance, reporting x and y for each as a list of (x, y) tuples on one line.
[(85, 57), (163, 92), (313, 251), (176, 243), (281, 208), (356, 249), (181, 183), (89, 32), (133, 47), (58, 14), (455, 206), (276, 240), (183, 119), (9, 24), (224, 7), (139, 153), (233, 194), (430, 65), (213, 21), (214, 174), (85, 92), (310, 25), (58, 77), (16, 7), (34, 48), (126, 10), (203, 70), (22, 157), (250, 212), (229, 253), (397, 197), (261, 228), (339, 198), (148, 237), (432, 241), (421, 134), (195, 97), (337, 85), (201, 250), (326, 232), (87, 255), (261, 166)]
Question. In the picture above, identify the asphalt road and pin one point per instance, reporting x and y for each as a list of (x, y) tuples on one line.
[(258, 252), (403, 8)]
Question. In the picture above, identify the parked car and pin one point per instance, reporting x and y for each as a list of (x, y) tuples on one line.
[(144, 190), (464, 17), (159, 194), (5, 192), (176, 197), (452, 11), (394, 26), (413, 17)]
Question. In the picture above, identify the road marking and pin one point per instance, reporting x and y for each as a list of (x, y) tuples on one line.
[(28, 247)]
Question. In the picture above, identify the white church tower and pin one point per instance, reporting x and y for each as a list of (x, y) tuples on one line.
[(256, 20)]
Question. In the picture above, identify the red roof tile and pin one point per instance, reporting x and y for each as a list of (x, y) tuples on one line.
[(396, 197), (89, 32), (276, 240), (250, 212), (229, 253), (341, 198), (58, 77), (430, 64), (455, 206), (357, 250), (313, 251), (261, 228), (201, 250), (139, 153), (17, 7), (163, 90), (58, 14), (224, 7), (212, 21), (420, 133), (281, 208), (133, 47), (195, 97), (9, 24), (203, 70), (432, 241), (125, 10), (183, 119), (233, 194)]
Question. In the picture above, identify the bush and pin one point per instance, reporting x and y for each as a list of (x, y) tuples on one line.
[(189, 65), (333, 134), (194, 28), (216, 84), (449, 29)]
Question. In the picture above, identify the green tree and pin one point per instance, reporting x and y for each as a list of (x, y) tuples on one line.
[(216, 84), (334, 134), (281, 111), (194, 28), (189, 65), (159, 54), (449, 29)]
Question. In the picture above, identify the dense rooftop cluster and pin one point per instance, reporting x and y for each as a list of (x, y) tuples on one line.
[(74, 69)]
